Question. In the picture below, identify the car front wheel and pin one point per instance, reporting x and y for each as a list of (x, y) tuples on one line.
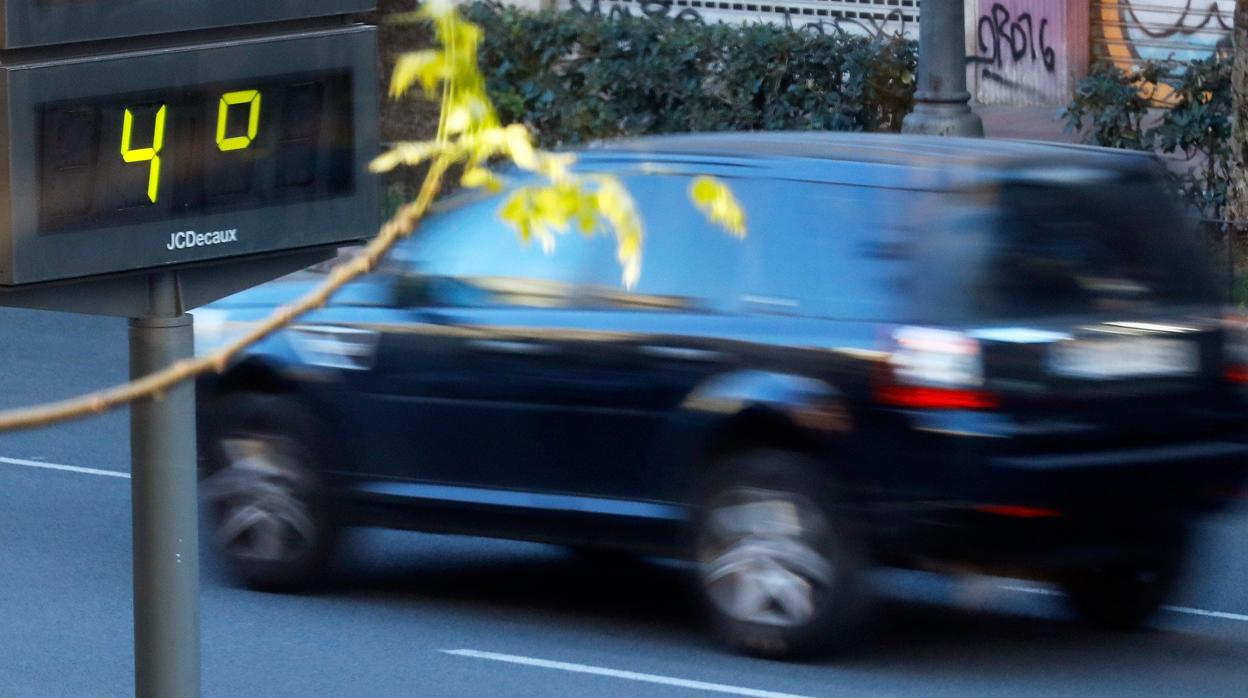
[(778, 569)]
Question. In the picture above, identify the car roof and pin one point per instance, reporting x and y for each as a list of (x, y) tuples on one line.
[(870, 158)]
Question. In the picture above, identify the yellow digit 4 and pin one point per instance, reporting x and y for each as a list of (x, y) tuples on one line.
[(151, 154), (252, 99)]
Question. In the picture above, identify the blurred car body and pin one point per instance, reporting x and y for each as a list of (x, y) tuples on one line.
[(939, 353)]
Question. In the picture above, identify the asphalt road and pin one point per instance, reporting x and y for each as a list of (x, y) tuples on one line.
[(419, 615)]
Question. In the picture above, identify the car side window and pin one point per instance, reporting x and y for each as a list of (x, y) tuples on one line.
[(468, 257), (687, 262), (824, 250)]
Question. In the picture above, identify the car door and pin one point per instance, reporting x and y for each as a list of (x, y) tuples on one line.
[(480, 384), (643, 349)]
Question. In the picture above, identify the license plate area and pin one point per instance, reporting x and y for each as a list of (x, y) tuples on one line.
[(1124, 357)]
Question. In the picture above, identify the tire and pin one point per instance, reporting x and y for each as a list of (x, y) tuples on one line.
[(1127, 594), (271, 514), (778, 566)]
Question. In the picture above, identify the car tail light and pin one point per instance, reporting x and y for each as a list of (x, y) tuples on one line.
[(1235, 348), (1236, 373), (1016, 511), (931, 368)]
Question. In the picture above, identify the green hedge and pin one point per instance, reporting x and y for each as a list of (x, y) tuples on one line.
[(574, 77)]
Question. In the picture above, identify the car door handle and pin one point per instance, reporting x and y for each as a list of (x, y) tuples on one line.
[(507, 346), (681, 353)]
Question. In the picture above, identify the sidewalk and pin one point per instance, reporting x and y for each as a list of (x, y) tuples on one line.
[(1045, 124), (1026, 123)]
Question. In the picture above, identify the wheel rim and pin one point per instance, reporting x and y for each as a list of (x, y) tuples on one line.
[(260, 495), (760, 557)]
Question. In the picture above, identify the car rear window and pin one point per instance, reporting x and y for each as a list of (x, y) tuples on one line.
[(1106, 243)]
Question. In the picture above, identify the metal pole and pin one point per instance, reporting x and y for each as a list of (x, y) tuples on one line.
[(940, 102), (164, 503)]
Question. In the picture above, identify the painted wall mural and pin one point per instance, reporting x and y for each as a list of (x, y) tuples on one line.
[(1128, 32)]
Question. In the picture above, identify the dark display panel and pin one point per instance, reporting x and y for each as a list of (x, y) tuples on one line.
[(47, 22), (129, 160), (167, 154)]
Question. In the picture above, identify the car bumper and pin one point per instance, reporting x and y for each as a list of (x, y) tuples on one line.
[(1030, 504)]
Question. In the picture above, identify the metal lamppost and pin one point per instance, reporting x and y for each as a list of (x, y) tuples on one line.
[(940, 103)]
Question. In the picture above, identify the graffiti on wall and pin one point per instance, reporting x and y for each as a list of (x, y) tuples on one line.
[(894, 22), (1012, 40), (1018, 51), (872, 18), (646, 8)]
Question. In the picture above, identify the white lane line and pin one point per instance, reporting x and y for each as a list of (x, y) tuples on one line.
[(66, 468), (1223, 615), (619, 674)]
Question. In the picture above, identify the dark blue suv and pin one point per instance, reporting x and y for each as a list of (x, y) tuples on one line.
[(941, 353)]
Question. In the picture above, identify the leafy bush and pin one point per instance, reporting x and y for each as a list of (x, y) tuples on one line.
[(575, 77), (1108, 108), (1111, 108), (1199, 126)]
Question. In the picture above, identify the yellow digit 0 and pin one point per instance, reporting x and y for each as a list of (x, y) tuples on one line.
[(252, 99), (150, 154)]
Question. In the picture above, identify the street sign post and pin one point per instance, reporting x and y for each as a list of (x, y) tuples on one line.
[(163, 505), (160, 154)]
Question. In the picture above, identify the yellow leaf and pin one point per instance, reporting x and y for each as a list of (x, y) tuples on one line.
[(632, 271), (514, 208), (405, 154), (703, 190), (585, 220), (426, 66), (519, 147), (477, 177), (629, 246), (555, 166), (457, 119), (715, 200), (385, 162)]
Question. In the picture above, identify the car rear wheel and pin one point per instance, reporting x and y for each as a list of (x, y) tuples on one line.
[(271, 514), (778, 568), (1126, 595)]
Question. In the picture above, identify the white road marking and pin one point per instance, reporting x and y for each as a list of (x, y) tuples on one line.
[(619, 674), (66, 468), (1223, 615)]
